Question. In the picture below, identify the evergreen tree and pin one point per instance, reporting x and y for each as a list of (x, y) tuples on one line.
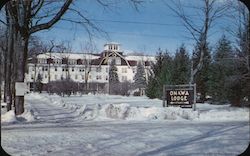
[(113, 79), (139, 78), (221, 68), (39, 85), (161, 75), (240, 81), (181, 66), (202, 77)]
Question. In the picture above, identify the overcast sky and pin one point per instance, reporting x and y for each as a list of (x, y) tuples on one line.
[(153, 26)]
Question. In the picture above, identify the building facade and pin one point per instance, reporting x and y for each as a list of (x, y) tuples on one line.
[(82, 67)]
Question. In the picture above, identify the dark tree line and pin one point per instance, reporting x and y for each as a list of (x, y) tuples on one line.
[(224, 76), (221, 71), (168, 70)]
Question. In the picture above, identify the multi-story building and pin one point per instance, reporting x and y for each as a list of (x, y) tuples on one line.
[(81, 66)]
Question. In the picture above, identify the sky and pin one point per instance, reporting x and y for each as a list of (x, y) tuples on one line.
[(145, 30)]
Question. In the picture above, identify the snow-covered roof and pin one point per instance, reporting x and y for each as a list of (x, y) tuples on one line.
[(112, 43), (140, 58), (68, 55)]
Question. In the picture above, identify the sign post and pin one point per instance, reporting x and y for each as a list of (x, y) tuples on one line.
[(183, 96)]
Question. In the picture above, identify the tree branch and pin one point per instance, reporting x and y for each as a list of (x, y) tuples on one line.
[(55, 19)]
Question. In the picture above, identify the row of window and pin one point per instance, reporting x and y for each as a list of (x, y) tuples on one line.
[(57, 61), (113, 47), (55, 68), (79, 77), (98, 69)]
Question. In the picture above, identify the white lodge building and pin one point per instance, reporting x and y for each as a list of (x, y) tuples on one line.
[(58, 66)]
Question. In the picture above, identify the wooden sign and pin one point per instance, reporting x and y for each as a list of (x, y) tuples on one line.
[(179, 95)]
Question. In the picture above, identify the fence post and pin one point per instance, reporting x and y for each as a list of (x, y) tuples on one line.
[(194, 85), (163, 96)]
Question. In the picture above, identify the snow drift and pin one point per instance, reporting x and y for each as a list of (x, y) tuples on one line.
[(127, 112), (98, 109), (8, 117)]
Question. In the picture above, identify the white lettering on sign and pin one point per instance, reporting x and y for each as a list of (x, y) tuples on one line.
[(179, 92), (179, 96)]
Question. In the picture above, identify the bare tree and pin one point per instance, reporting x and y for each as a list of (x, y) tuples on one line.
[(26, 17), (208, 11), (240, 31), (2, 58), (88, 50)]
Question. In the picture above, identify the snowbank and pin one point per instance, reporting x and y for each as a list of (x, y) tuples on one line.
[(141, 108), (225, 114), (95, 107), (27, 116), (8, 117), (127, 112)]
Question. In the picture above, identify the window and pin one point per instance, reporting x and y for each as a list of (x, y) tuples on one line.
[(124, 70), (55, 68), (134, 70), (32, 77), (118, 61), (107, 77), (76, 77), (45, 76), (63, 69), (124, 78), (44, 69), (55, 77), (73, 69), (83, 77), (72, 62), (58, 61), (98, 77), (98, 69)]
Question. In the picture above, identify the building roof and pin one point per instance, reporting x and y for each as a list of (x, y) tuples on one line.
[(112, 43), (68, 55), (140, 58)]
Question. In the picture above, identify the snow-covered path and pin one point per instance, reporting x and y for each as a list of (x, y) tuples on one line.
[(45, 111), (60, 131)]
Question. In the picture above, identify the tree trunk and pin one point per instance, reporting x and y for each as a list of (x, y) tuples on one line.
[(21, 55), (9, 63)]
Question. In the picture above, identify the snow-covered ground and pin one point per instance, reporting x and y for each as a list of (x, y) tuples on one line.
[(117, 125)]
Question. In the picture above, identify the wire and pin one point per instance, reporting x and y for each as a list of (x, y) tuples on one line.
[(136, 22)]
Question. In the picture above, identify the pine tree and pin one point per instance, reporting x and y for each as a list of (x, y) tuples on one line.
[(221, 68), (161, 75), (139, 78), (181, 66), (113, 78), (39, 85)]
